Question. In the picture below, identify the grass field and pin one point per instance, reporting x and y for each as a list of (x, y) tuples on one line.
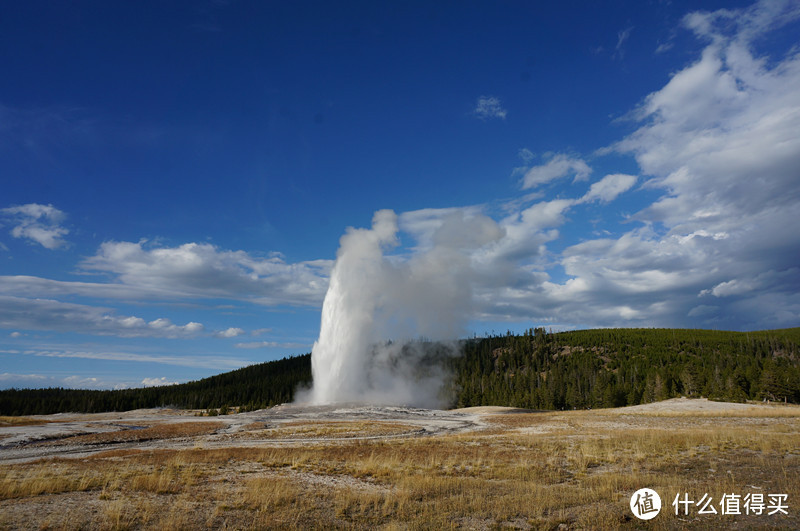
[(548, 470)]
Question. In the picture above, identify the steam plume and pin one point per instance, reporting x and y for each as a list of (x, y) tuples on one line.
[(376, 304)]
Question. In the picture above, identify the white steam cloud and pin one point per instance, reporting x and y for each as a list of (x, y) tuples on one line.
[(378, 307)]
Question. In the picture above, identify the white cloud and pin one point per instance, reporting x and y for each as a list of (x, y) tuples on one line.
[(458, 227), (140, 273), (230, 332), (489, 107), (189, 271), (196, 270), (39, 223), (731, 287), (156, 382), (558, 166), (32, 380), (22, 381), (609, 188), (720, 142)]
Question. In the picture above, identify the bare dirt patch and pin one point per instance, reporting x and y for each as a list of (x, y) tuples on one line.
[(135, 433)]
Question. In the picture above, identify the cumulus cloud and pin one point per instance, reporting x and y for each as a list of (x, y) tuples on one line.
[(33, 380), (38, 223), (156, 382), (526, 232), (21, 381), (721, 139), (431, 226), (557, 167), (230, 332), (195, 270), (719, 143), (489, 107), (155, 273)]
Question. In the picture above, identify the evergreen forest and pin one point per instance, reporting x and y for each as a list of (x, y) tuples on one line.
[(539, 370)]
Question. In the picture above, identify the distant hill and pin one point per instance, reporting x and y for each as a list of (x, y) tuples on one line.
[(253, 387), (619, 367), (539, 370)]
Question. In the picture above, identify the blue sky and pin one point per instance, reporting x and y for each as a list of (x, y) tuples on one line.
[(176, 176)]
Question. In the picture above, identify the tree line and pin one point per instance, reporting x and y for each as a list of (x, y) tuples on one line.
[(619, 367), (254, 387), (538, 370)]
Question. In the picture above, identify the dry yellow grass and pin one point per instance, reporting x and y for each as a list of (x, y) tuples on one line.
[(580, 474), (20, 421), (327, 430), (749, 411)]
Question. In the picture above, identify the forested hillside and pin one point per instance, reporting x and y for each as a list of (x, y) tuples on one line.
[(588, 368), (618, 367), (256, 386)]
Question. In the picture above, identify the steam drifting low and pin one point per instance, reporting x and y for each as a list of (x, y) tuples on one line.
[(378, 306)]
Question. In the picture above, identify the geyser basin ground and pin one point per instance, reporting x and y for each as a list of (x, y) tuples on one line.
[(371, 467), (80, 435)]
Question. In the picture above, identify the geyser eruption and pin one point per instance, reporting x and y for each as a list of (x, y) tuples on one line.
[(377, 308)]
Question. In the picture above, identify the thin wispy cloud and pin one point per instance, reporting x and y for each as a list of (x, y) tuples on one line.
[(47, 314), (558, 165), (609, 188), (270, 344), (207, 362), (622, 39), (488, 107)]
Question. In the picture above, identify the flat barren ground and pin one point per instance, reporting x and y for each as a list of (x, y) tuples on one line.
[(729, 465)]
